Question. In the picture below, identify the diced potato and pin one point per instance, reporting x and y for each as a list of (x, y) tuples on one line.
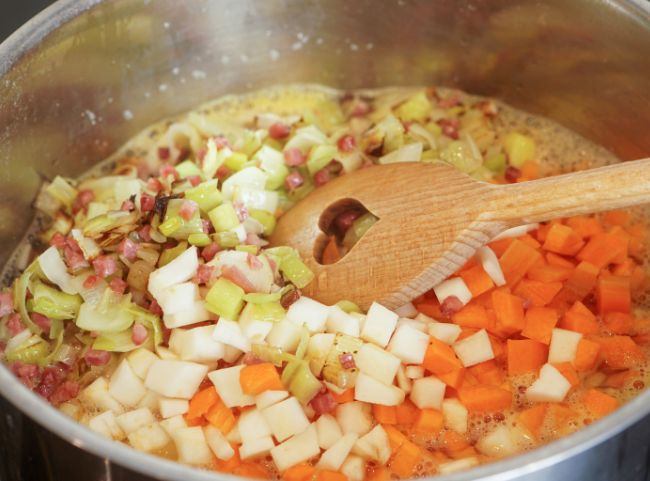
[(368, 389), (233, 436), (328, 430), (254, 329), (491, 265), (354, 417), (252, 425), (181, 269), (317, 349), (334, 457), (255, 448), (151, 401), (140, 361), (403, 382), (97, 395), (409, 344), (455, 415), (149, 438), (231, 354), (414, 372), (285, 335), (217, 442), (286, 418), (497, 443), (340, 321), (171, 425), (229, 333), (226, 382), (70, 409), (414, 323), (354, 468), (474, 349), (550, 386), (133, 420), (455, 287), (379, 325), (564, 345), (309, 312), (106, 425), (170, 407), (166, 354), (269, 398), (178, 298), (177, 379), (428, 392), (196, 313), (196, 344), (191, 446), (374, 445), (378, 363), (445, 331), (458, 465), (296, 450), (125, 386)]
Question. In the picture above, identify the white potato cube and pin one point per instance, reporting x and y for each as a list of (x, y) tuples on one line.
[(474, 349), (125, 386), (133, 420), (178, 298), (354, 417), (181, 269), (455, 415), (309, 312), (333, 458), (72, 410), (177, 379), (196, 344), (97, 395), (458, 465), (428, 392), (226, 382), (424, 318), (228, 332), (170, 407), (191, 446), (286, 418), (370, 390), (354, 468), (409, 344), (296, 450), (195, 313), (285, 335), (379, 325), (455, 287), (550, 386), (328, 431), (340, 321), (233, 436), (407, 310), (564, 345), (165, 354), (403, 381), (254, 329), (414, 372), (490, 263), (149, 438), (151, 401), (497, 443), (231, 354), (414, 323), (252, 425), (218, 443), (374, 445), (317, 349), (445, 331), (376, 362), (269, 398), (255, 448), (106, 425), (171, 425), (140, 361)]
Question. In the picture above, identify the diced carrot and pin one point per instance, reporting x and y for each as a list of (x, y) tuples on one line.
[(559, 415), (229, 465), (328, 475), (257, 378), (487, 373), (509, 310), (471, 262), (529, 170), (407, 412), (598, 403), (466, 332), (586, 355), (201, 403), (579, 319), (619, 379), (454, 378), (429, 307), (196, 422), (581, 282), (299, 472), (613, 294), (638, 278), (585, 226), (472, 315), (550, 273), (533, 418), (538, 293), (556, 260), (616, 217), (454, 442), (477, 280), (525, 355), (567, 370), (618, 322), (485, 398), (384, 414), (624, 269), (395, 437), (563, 240), (530, 240), (251, 470), (331, 252), (440, 358), (540, 322), (518, 258), (345, 397), (429, 421), (404, 460), (378, 473), (619, 352), (542, 231), (603, 249), (501, 245), (498, 349), (221, 417)]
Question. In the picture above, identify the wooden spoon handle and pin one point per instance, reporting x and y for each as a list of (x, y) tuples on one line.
[(612, 187)]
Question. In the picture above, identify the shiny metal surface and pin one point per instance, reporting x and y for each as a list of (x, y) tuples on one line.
[(84, 75)]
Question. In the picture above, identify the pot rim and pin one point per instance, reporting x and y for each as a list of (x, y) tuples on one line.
[(19, 44)]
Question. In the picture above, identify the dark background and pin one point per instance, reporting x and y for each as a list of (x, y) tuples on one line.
[(13, 13)]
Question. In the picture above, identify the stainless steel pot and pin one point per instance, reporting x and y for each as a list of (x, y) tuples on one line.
[(84, 75)]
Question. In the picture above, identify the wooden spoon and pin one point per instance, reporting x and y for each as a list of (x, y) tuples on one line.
[(432, 219)]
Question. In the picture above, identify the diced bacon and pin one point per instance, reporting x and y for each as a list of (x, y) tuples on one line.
[(90, 281), (222, 172), (104, 266), (241, 210), (155, 308), (15, 325), (293, 180), (254, 240), (139, 334), (117, 285), (322, 177), (207, 226), (360, 108), (512, 173), (58, 240), (347, 361), (42, 321), (235, 275), (294, 157), (128, 249), (167, 170), (188, 209), (209, 252), (204, 273), (279, 130), (488, 107), (154, 184), (73, 255), (254, 262), (289, 298), (127, 205), (346, 143), (449, 102), (66, 391), (183, 153), (194, 180), (450, 306), (28, 374), (97, 358), (200, 154), (82, 200), (449, 127), (51, 378), (163, 153), (345, 219), (249, 359), (6, 303), (323, 403), (220, 141), (145, 233), (147, 202)]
